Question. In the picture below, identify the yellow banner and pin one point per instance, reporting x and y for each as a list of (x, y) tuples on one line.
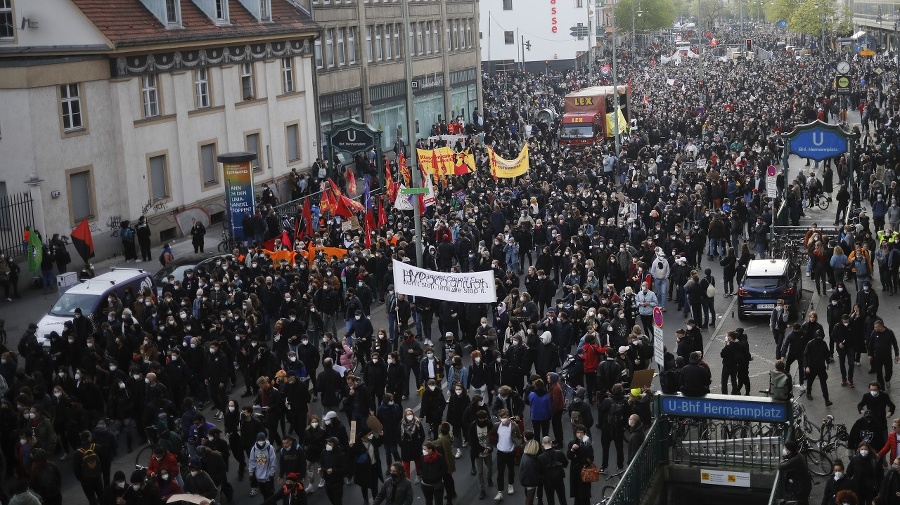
[(444, 161), (507, 169), (611, 123)]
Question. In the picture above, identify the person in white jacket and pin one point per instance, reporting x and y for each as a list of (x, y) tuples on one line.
[(262, 467), (659, 270)]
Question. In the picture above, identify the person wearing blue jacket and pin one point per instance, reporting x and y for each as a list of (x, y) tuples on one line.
[(541, 409)]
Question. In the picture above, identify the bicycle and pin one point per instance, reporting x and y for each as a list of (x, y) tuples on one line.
[(802, 422), (820, 200), (817, 461), (832, 436), (607, 491), (228, 243)]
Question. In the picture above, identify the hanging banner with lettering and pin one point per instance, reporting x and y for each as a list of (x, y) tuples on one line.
[(476, 287), (611, 123), (239, 197), (444, 161), (507, 169)]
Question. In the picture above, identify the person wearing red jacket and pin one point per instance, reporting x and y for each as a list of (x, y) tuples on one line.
[(163, 459), (890, 448), (592, 354)]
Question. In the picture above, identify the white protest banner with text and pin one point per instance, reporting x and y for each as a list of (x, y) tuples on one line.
[(476, 287)]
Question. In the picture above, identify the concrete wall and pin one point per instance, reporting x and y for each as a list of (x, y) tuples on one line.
[(52, 24)]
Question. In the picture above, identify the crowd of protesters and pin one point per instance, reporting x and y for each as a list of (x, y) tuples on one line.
[(276, 370)]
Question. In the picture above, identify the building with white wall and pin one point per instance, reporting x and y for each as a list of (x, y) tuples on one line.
[(546, 24), (110, 110)]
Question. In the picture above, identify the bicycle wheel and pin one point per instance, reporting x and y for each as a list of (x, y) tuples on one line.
[(822, 203), (818, 462), (142, 457), (811, 430), (606, 493), (223, 246)]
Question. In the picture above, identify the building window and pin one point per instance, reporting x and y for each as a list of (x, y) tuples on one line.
[(509, 38), (507, 5), (457, 43), (341, 57), (201, 88), (287, 75), (436, 37), (265, 10), (150, 95), (317, 46), (159, 178), (468, 33), (369, 44), (221, 11), (579, 4), (81, 195), (292, 140), (411, 37), (172, 14), (351, 45), (7, 26), (329, 47), (428, 37), (252, 141), (447, 34), (388, 45), (71, 107), (247, 80), (379, 49), (420, 44), (398, 51), (208, 164)]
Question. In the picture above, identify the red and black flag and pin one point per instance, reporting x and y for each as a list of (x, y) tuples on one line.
[(83, 241)]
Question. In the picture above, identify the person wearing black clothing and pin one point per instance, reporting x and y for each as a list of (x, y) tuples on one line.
[(837, 482), (890, 485), (695, 378), (551, 465), (145, 493), (879, 346), (232, 428), (609, 372), (729, 356), (792, 350), (432, 471), (815, 358), (397, 490), (878, 403), (367, 471), (118, 489), (581, 454), (217, 369), (333, 467), (612, 418), (142, 230), (291, 459), (291, 493), (844, 341), (798, 482), (864, 472)]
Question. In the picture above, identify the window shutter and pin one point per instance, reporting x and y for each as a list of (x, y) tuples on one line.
[(158, 174), (81, 196), (208, 161)]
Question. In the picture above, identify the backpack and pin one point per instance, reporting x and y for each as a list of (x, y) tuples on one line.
[(90, 462), (616, 415), (162, 258), (710, 290), (780, 386), (128, 234)]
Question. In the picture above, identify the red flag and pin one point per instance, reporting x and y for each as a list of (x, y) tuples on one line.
[(83, 241), (351, 182), (341, 208), (382, 217), (404, 170), (391, 185), (307, 217)]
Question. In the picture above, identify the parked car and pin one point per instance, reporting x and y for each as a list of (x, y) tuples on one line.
[(181, 265), (767, 281), (89, 296)]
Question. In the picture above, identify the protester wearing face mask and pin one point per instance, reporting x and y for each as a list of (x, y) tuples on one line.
[(119, 492), (837, 482), (865, 474), (505, 437), (197, 481), (798, 482), (397, 489), (262, 467), (332, 464), (145, 493), (580, 453), (881, 343), (412, 435)]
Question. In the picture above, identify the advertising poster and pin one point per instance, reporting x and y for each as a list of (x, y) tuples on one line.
[(239, 197)]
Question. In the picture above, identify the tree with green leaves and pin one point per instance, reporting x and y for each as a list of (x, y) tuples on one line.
[(648, 15)]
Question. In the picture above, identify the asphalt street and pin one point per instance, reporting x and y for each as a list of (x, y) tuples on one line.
[(34, 304)]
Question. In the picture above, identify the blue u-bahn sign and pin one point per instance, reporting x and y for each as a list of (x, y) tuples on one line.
[(725, 407), (818, 141)]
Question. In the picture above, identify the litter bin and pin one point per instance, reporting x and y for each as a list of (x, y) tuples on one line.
[(65, 281)]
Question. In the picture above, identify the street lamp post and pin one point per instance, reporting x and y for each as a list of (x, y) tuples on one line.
[(411, 131), (612, 22)]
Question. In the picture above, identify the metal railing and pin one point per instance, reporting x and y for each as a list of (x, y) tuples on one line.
[(777, 494), (722, 443), (16, 212), (650, 457)]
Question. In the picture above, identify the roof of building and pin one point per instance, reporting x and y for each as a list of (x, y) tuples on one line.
[(127, 23)]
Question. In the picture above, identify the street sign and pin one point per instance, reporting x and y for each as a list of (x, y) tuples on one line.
[(772, 182), (842, 84), (659, 353), (725, 478), (725, 407), (352, 139), (818, 141)]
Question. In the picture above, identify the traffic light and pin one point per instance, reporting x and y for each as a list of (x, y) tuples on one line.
[(528, 45), (749, 45)]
